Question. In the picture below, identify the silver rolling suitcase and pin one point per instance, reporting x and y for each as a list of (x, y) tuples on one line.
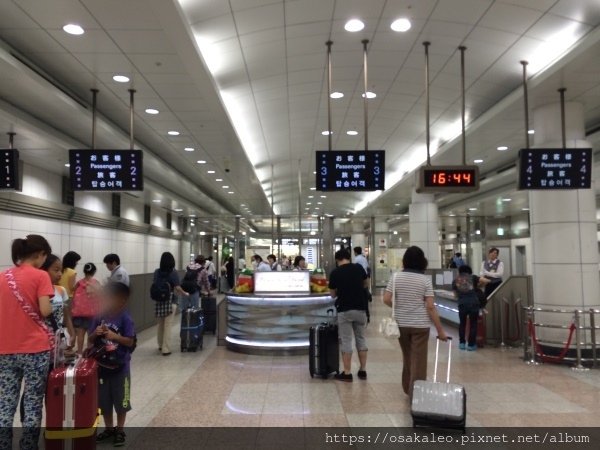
[(438, 404)]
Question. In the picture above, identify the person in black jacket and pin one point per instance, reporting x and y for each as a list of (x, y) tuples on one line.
[(347, 283)]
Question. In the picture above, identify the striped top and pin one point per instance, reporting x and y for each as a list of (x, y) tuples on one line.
[(409, 304)]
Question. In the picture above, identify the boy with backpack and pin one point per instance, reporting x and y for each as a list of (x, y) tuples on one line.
[(470, 300), (112, 338)]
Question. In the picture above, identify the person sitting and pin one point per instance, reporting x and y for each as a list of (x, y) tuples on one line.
[(493, 270)]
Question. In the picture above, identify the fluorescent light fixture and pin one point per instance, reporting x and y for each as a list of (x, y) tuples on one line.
[(502, 148), (477, 231), (178, 210), (351, 132), (472, 209), (369, 94), (452, 215), (507, 199), (189, 149), (156, 200), (395, 232), (530, 131), (524, 209), (478, 161), (121, 78), (337, 95), (313, 188), (231, 192), (192, 215), (218, 180), (401, 25), (67, 165), (201, 161), (323, 196), (173, 133), (308, 203), (319, 203), (317, 208), (203, 233), (312, 233), (210, 171), (74, 29), (500, 231), (225, 187), (354, 25), (152, 111), (311, 196), (326, 133)]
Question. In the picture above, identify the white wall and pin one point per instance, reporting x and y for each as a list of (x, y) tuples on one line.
[(97, 202), (132, 209), (41, 184)]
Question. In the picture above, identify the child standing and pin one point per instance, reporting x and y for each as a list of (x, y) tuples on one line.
[(85, 304), (112, 334)]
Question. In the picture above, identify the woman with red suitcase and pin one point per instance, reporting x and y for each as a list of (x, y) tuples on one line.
[(25, 339)]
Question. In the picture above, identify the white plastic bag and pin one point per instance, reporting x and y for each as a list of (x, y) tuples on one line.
[(388, 326)]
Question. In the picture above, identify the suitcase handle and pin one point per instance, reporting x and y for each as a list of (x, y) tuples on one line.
[(437, 353), (330, 311)]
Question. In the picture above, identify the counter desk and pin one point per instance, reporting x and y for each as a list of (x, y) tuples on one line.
[(275, 322)]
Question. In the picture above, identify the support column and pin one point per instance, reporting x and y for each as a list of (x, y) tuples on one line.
[(328, 262), (358, 234), (563, 228), (423, 227), (236, 247)]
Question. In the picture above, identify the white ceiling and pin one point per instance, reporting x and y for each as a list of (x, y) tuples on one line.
[(244, 82)]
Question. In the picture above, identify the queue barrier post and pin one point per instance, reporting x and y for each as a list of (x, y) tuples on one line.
[(531, 320), (593, 336), (578, 366)]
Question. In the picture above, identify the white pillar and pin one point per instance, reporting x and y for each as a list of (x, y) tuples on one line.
[(423, 227), (358, 234), (563, 229)]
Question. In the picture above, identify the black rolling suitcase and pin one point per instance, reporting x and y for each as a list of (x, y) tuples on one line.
[(209, 307), (324, 349), (192, 329)]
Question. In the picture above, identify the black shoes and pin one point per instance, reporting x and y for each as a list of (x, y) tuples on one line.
[(362, 374), (119, 440), (342, 376), (117, 436)]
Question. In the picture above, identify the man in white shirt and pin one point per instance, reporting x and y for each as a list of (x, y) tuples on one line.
[(362, 261), (211, 270), (492, 269), (117, 273)]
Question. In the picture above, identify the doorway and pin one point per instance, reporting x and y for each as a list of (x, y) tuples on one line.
[(520, 260)]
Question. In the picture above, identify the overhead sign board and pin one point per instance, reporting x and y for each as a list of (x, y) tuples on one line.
[(555, 168), (106, 170), (350, 170), (9, 173)]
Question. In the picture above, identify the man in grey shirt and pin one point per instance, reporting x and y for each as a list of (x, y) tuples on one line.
[(117, 273)]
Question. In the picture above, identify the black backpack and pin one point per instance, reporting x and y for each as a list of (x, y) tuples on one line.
[(190, 280), (161, 290)]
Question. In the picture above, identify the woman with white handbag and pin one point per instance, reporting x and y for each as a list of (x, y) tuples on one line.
[(410, 294)]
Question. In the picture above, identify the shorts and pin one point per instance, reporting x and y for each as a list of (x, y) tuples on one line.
[(82, 322), (348, 322), (114, 392)]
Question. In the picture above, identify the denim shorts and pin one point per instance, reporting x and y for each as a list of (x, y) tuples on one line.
[(82, 322), (349, 322)]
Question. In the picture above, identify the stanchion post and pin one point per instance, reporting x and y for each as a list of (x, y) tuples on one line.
[(531, 318), (578, 366), (593, 336), (525, 332), (502, 344)]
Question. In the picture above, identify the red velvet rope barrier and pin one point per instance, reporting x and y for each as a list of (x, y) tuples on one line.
[(538, 349)]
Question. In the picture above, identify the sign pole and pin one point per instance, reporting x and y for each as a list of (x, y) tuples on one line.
[(365, 43), (131, 140), (94, 103), (462, 49), (426, 44), (525, 103), (11, 139), (562, 116)]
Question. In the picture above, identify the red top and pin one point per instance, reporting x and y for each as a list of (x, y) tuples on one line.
[(18, 332)]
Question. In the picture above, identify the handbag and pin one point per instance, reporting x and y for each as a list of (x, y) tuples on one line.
[(388, 326), (12, 284)]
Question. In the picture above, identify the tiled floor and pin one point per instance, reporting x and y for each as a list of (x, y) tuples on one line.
[(217, 387)]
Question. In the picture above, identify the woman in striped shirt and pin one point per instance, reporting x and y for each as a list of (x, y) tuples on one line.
[(414, 312)]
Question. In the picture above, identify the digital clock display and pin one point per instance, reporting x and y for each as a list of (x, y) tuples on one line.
[(448, 179), (9, 174), (106, 170)]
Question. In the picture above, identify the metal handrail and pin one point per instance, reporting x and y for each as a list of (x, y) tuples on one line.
[(579, 343)]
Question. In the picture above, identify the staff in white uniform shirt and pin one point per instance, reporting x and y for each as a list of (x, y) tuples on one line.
[(492, 269), (118, 274), (275, 266), (261, 266)]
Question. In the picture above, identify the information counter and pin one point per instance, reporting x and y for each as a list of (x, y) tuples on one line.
[(276, 318)]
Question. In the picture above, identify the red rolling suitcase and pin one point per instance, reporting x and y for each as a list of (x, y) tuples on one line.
[(480, 329), (72, 406)]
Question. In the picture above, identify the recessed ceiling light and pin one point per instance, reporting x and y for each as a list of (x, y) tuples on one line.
[(354, 25), (231, 192), (311, 196), (351, 132), (192, 215), (316, 207), (189, 149), (326, 133), (369, 94), (401, 25), (67, 165), (121, 79), (472, 209), (309, 203), (74, 29), (178, 210), (313, 188), (395, 231), (502, 148), (173, 133), (478, 161), (225, 187), (201, 162), (151, 111), (337, 95), (452, 215), (477, 231), (530, 131), (319, 203), (323, 196), (156, 200), (306, 209), (507, 199), (210, 171), (524, 209), (219, 180)]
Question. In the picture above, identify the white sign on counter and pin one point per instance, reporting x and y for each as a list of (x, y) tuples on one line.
[(280, 282)]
